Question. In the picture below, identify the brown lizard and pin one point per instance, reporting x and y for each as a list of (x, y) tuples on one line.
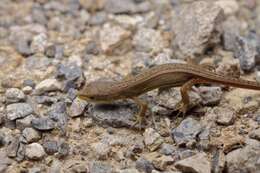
[(161, 76)]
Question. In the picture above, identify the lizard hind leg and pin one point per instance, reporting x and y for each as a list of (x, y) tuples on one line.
[(183, 106), (142, 110)]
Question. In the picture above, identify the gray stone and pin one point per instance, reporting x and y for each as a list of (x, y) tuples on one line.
[(152, 139), (29, 82), (39, 43), (34, 151), (144, 165), (14, 95), (98, 18), (231, 30), (50, 147), (198, 163), (210, 95), (148, 40), (45, 99), (128, 171), (44, 123), (58, 113), (63, 150), (18, 110), (100, 167), (255, 134), (77, 107), (24, 122), (196, 27), (167, 149), (72, 72), (114, 115), (12, 148), (47, 85), (246, 52), (218, 161), (4, 161), (27, 89), (22, 42), (245, 159), (126, 6), (186, 131), (225, 116), (20, 155), (31, 135)]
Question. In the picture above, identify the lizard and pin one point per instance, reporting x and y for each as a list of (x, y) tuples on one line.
[(160, 76)]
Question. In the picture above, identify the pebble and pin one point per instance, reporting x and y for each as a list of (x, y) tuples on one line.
[(144, 165), (210, 95), (24, 122), (218, 161), (246, 52), (195, 27), (27, 89), (255, 134), (4, 161), (13, 146), (167, 149), (113, 39), (39, 42), (198, 163), (77, 107), (100, 167), (34, 151), (113, 115), (128, 171), (244, 159), (58, 113), (152, 139), (50, 147), (47, 85), (31, 135), (18, 110), (148, 40), (14, 95), (186, 131), (22, 42), (230, 7), (44, 123), (225, 116), (45, 99), (70, 72), (29, 82), (63, 149)]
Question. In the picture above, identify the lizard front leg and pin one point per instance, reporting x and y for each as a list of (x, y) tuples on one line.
[(183, 106), (142, 110)]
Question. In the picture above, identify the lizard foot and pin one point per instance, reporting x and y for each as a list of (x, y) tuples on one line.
[(182, 108), (138, 121)]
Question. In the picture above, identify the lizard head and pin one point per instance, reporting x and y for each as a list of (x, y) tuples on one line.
[(97, 91)]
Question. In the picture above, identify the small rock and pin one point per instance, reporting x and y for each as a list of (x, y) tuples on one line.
[(210, 95), (128, 171), (186, 131), (44, 123), (30, 135), (198, 163), (102, 150), (47, 85), (58, 113), (18, 110), (23, 42), (144, 165), (50, 147), (77, 107), (71, 72), (50, 51), (34, 151), (196, 27), (12, 148), (161, 162), (152, 139), (255, 134), (230, 7), (114, 38), (4, 161), (20, 155), (45, 99), (27, 89), (246, 52), (29, 82), (231, 29), (39, 42), (218, 161), (225, 116), (92, 48), (167, 149), (24, 122), (100, 167), (148, 40), (63, 150), (14, 95)]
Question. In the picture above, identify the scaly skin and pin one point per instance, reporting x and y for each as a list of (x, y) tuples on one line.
[(161, 76)]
